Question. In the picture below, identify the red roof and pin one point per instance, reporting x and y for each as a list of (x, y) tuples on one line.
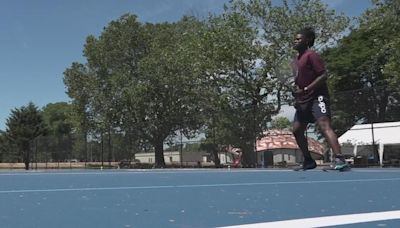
[(284, 139)]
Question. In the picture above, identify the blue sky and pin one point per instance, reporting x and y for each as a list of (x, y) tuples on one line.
[(41, 38)]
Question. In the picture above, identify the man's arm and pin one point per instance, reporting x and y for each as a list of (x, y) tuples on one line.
[(308, 90), (319, 70), (320, 80)]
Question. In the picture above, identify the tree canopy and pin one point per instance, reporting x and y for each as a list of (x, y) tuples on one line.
[(362, 68), (227, 75), (23, 126)]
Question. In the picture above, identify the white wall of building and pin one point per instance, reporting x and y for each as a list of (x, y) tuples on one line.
[(171, 157)]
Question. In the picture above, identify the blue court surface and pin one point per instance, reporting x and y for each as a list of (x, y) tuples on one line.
[(200, 198)]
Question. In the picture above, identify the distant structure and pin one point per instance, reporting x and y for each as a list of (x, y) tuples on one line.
[(366, 141), (279, 147)]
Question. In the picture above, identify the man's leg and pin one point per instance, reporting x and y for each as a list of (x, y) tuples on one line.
[(324, 124), (298, 132)]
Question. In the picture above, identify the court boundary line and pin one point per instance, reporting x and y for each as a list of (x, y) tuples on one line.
[(140, 171), (193, 186), (325, 221), (172, 171)]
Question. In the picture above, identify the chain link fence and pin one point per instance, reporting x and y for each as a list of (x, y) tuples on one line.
[(368, 106), (366, 120)]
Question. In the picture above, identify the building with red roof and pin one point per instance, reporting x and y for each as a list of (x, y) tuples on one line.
[(279, 147)]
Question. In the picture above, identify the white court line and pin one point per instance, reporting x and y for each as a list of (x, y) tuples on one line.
[(192, 186), (175, 171), (326, 221), (140, 171)]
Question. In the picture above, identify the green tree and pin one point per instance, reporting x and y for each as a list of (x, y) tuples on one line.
[(239, 106), (280, 122), (23, 126), (363, 68), (79, 83), (142, 81), (169, 95), (8, 151), (229, 73), (385, 18), (248, 51), (98, 87), (277, 24), (58, 120)]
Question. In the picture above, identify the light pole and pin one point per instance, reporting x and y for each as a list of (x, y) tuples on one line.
[(181, 150)]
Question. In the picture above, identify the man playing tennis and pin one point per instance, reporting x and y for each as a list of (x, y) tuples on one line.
[(312, 99)]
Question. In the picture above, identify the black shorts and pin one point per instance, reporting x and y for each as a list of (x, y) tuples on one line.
[(313, 110)]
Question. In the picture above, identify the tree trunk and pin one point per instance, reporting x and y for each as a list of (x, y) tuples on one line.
[(26, 159), (383, 107), (248, 157), (159, 154), (86, 148), (217, 161)]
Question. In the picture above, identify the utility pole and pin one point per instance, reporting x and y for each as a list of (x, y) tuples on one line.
[(181, 150)]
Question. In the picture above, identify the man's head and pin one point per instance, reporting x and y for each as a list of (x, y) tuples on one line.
[(304, 39)]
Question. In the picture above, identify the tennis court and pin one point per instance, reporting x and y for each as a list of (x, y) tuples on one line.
[(200, 198)]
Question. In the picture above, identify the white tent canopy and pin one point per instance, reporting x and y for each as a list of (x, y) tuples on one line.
[(376, 133)]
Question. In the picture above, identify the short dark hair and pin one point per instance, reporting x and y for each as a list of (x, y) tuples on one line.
[(309, 33)]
